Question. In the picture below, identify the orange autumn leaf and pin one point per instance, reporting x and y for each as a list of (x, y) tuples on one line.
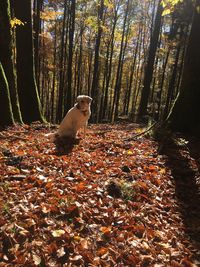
[(105, 230), (80, 187), (101, 251)]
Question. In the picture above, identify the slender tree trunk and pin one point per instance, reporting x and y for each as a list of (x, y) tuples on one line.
[(52, 100), (159, 93), (89, 78), (70, 57), (61, 67), (105, 108), (150, 63), (171, 84), (28, 94), (37, 31), (95, 81), (80, 59), (133, 65), (7, 57), (6, 117), (114, 112), (103, 96)]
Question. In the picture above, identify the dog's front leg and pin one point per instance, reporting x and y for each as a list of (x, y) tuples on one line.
[(84, 130)]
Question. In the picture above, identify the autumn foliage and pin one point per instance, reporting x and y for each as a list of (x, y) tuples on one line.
[(103, 202)]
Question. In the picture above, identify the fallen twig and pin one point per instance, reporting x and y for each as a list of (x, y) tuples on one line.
[(142, 133)]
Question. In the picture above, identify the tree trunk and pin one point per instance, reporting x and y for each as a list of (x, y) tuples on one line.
[(80, 59), (28, 94), (104, 92), (70, 58), (172, 81), (132, 71), (185, 114), (105, 106), (6, 117), (53, 92), (60, 108), (37, 31), (6, 56), (150, 63), (114, 112), (159, 93), (95, 81)]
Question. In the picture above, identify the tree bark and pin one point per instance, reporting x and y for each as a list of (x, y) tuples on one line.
[(6, 56), (114, 112), (37, 31), (95, 80), (150, 63), (109, 63), (60, 106), (28, 94), (185, 114), (6, 117), (172, 81), (70, 55)]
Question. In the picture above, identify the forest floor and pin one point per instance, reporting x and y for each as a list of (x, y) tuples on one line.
[(106, 201)]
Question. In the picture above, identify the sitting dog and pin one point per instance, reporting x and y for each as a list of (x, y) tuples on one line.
[(76, 118)]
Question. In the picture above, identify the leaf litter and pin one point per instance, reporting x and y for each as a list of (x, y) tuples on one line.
[(103, 202)]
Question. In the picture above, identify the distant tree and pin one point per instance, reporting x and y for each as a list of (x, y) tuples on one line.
[(27, 89), (6, 56), (6, 117), (185, 115)]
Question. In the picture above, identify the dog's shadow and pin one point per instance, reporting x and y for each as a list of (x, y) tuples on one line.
[(65, 145)]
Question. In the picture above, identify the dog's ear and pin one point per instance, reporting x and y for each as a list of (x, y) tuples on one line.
[(78, 105)]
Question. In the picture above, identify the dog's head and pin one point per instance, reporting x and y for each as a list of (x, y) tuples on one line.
[(83, 102)]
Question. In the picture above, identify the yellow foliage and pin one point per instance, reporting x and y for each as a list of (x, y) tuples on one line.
[(16, 22), (50, 15), (170, 2), (168, 6), (166, 11), (109, 4), (92, 22)]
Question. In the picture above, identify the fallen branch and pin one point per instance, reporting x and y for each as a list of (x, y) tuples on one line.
[(142, 133)]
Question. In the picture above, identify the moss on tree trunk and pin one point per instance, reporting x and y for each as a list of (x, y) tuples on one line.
[(6, 117)]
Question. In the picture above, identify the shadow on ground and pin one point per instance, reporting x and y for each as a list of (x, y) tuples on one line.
[(64, 146), (183, 158)]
